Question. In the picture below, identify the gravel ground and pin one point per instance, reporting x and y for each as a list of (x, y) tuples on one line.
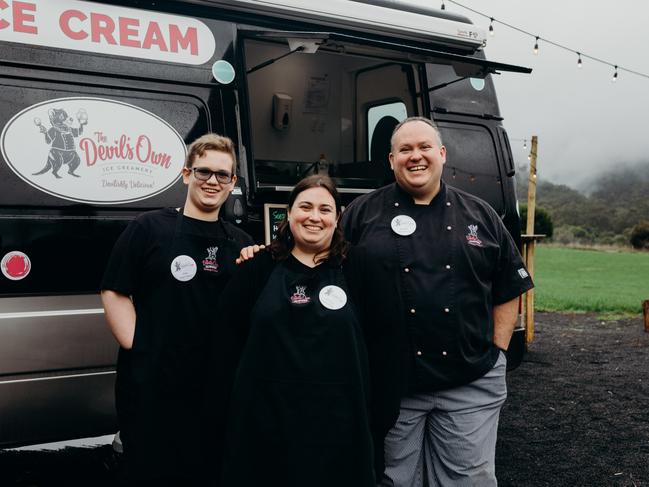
[(577, 415)]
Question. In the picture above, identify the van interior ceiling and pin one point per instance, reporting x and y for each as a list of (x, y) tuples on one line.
[(325, 111)]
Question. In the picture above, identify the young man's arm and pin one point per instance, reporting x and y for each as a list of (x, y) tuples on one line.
[(120, 316), (505, 316)]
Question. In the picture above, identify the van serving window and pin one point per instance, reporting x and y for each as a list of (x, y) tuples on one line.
[(309, 109)]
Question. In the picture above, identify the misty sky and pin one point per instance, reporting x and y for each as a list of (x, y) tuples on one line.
[(585, 123)]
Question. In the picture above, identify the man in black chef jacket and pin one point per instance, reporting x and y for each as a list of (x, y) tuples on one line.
[(440, 299), (163, 278)]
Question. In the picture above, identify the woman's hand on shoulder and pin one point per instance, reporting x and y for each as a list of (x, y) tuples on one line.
[(248, 253)]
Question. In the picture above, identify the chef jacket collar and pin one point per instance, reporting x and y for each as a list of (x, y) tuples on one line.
[(402, 197)]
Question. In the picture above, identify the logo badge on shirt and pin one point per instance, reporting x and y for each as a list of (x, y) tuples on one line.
[(333, 297), (183, 268), (209, 263), (472, 236), (299, 296), (523, 273), (403, 225)]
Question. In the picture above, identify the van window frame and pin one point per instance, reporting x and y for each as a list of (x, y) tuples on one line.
[(463, 122)]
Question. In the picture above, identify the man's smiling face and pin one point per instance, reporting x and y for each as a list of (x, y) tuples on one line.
[(417, 159)]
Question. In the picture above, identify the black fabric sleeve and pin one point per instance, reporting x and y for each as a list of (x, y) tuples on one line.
[(241, 237), (511, 278), (240, 294), (123, 269)]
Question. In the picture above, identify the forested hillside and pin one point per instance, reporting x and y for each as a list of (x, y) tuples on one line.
[(606, 213)]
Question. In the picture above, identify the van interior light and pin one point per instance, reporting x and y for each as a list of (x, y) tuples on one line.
[(307, 46)]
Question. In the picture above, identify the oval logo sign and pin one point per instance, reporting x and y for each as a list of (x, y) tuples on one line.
[(93, 150)]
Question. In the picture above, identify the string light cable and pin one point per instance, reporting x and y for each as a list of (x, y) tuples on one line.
[(580, 54)]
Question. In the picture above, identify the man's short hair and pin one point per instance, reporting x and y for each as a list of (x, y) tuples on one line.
[(425, 120), (211, 142)]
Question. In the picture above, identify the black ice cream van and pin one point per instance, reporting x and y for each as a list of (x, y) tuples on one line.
[(97, 102)]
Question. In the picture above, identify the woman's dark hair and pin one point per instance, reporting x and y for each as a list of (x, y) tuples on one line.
[(281, 247)]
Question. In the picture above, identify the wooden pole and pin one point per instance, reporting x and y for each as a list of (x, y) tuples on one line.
[(531, 188), (529, 251), (645, 311)]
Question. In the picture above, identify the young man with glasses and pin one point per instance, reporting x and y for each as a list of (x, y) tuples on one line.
[(165, 273)]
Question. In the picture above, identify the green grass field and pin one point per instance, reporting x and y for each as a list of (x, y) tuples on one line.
[(590, 280)]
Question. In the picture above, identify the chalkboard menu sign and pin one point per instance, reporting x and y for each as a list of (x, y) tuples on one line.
[(274, 214)]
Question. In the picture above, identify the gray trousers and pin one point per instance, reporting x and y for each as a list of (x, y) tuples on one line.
[(448, 437)]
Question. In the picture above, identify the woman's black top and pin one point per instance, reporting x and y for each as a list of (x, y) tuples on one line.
[(298, 412)]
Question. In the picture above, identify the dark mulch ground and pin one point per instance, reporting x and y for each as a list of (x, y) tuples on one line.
[(577, 416), (578, 406)]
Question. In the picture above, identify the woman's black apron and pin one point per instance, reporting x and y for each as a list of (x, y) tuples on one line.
[(299, 404)]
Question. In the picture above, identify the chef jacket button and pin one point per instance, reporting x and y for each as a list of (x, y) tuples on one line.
[(449, 227), (444, 353), (446, 310), (396, 204), (419, 352), (406, 269), (448, 203), (412, 311), (448, 266)]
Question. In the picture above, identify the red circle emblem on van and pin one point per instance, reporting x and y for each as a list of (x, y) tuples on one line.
[(15, 265)]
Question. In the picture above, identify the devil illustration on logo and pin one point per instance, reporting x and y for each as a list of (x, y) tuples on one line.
[(299, 296), (210, 263), (472, 237), (61, 137)]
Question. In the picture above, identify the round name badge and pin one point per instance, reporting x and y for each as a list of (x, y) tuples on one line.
[(332, 297), (15, 265), (183, 268), (403, 225)]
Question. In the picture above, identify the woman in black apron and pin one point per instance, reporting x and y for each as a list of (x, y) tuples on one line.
[(298, 411)]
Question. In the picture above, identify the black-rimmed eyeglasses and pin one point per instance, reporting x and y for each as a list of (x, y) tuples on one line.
[(204, 174)]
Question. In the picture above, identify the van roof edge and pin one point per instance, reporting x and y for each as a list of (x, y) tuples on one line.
[(423, 25)]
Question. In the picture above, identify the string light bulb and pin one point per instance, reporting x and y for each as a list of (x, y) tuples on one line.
[(615, 74), (536, 45), (443, 6), (579, 64), (491, 27), (524, 144)]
